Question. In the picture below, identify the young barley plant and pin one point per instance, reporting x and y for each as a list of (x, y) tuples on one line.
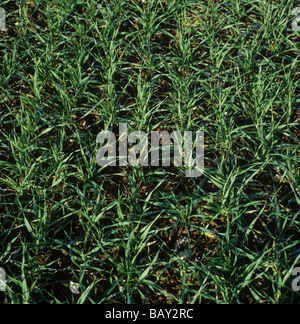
[(74, 232)]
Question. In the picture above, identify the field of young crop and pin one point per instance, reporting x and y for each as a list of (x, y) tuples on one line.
[(74, 232)]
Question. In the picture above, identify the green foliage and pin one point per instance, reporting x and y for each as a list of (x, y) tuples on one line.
[(70, 69)]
